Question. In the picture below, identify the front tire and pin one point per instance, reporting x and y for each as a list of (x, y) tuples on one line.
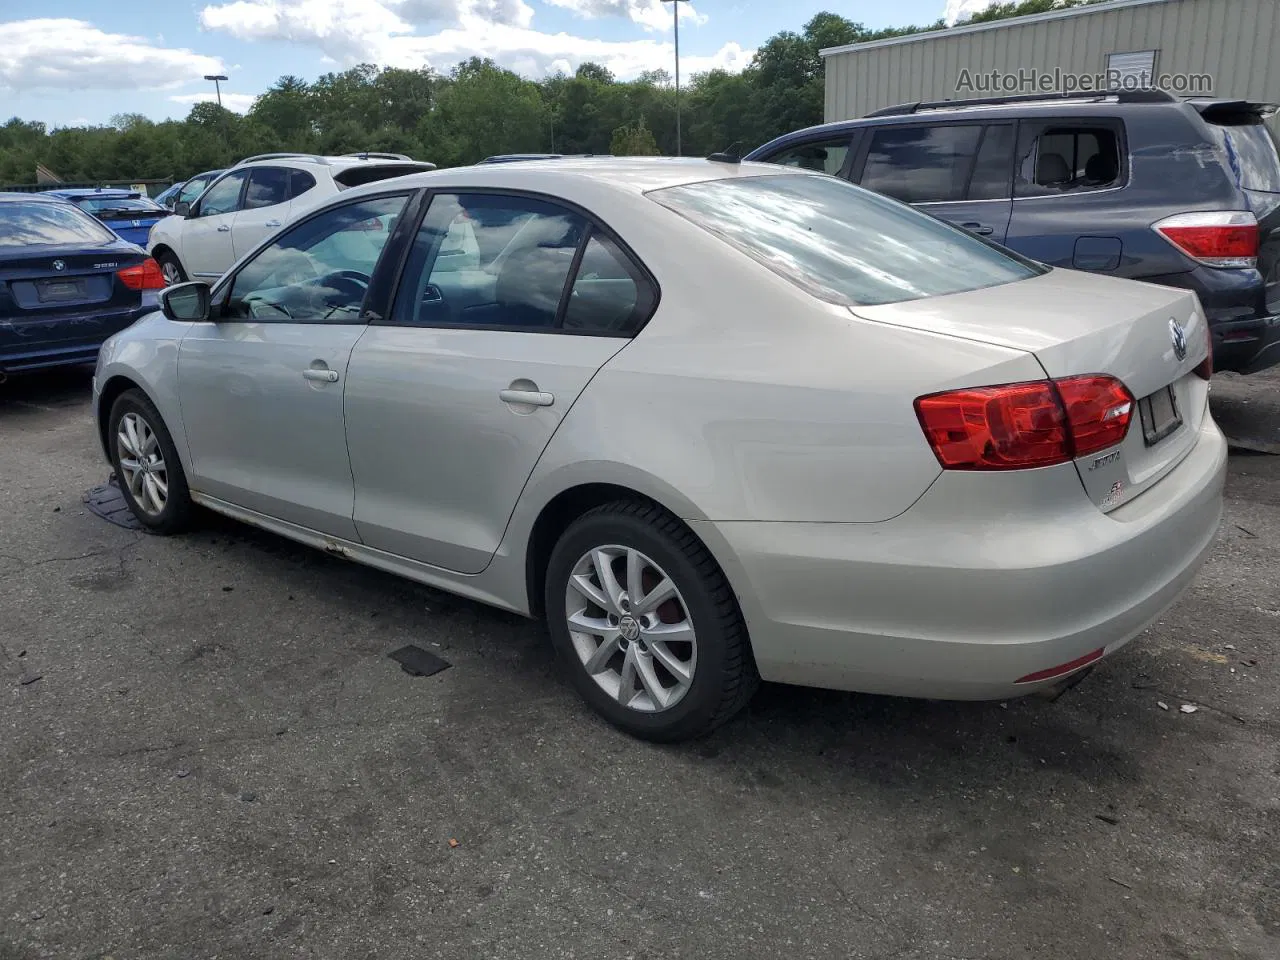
[(147, 465), (647, 624)]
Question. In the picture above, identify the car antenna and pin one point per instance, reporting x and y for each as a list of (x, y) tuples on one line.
[(732, 155)]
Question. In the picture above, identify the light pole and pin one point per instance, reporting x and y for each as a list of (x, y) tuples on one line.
[(217, 85), (675, 8)]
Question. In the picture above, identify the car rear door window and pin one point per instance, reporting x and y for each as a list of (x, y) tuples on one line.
[(268, 186), (223, 196), (1057, 157), (823, 156), (921, 164), (488, 260), (610, 295)]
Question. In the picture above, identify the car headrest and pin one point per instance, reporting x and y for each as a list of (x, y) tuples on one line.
[(1101, 168), (1052, 169)]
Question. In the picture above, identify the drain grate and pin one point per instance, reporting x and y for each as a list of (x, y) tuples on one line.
[(108, 502)]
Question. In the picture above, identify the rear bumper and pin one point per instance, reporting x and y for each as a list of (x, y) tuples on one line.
[(963, 595), (1246, 346), (66, 340)]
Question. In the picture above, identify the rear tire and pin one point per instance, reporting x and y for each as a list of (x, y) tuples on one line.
[(670, 665), (147, 465), (171, 267)]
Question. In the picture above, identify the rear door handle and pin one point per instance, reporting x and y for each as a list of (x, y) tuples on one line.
[(978, 228), (323, 376), (534, 398), (272, 223), (224, 229)]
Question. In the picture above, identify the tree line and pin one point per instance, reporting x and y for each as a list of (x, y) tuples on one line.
[(475, 110)]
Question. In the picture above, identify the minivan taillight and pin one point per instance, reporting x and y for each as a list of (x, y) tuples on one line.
[(1016, 426), (142, 276), (1216, 238)]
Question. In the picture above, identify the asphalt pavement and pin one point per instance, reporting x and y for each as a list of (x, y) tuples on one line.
[(205, 752)]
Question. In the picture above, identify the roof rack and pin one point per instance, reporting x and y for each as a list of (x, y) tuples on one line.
[(1122, 96), (522, 157), (282, 156), (369, 155)]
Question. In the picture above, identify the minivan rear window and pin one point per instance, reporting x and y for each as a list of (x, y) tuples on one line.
[(1251, 155), (841, 243), (42, 223)]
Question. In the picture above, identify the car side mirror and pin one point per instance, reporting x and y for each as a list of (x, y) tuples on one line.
[(182, 208), (187, 302)]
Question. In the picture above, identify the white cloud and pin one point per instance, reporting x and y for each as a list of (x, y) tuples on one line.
[(385, 32), (961, 9), (65, 54), (236, 102), (650, 14)]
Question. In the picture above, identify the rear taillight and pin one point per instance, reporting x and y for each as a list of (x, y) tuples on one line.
[(1204, 369), (1226, 238), (143, 276), (1020, 425)]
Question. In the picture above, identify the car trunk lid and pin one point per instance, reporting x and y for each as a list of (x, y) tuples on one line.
[(1078, 324)]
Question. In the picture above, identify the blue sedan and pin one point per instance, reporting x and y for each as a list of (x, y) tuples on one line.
[(66, 283), (128, 213)]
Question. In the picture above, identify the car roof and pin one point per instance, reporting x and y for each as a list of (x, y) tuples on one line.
[(43, 196), (336, 163), (627, 174), (1084, 105)]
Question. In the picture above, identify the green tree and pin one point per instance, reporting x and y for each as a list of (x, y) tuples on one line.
[(633, 140)]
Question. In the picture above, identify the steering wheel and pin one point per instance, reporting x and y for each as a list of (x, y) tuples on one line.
[(345, 281)]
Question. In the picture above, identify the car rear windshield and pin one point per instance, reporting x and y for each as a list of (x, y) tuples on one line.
[(356, 176), (1251, 154), (98, 204), (841, 243), (43, 223)]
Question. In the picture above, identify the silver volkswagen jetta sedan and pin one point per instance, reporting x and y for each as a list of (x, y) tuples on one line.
[(715, 422)]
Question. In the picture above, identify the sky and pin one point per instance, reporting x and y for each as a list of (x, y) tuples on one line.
[(72, 62)]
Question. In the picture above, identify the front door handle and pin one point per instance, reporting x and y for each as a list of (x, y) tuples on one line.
[(534, 398), (224, 229), (321, 375), (974, 227)]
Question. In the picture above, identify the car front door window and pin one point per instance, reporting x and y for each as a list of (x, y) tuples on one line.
[(318, 272), (223, 196)]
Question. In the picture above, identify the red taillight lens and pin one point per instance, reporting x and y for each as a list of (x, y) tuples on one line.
[(1098, 409), (1214, 238), (1204, 369), (143, 276), (1022, 425)]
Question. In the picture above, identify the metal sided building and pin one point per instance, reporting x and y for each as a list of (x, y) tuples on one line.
[(1234, 44)]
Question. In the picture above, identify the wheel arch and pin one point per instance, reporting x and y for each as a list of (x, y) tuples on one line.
[(571, 502), (111, 391)]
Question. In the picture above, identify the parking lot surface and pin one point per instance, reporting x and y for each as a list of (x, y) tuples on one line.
[(207, 753)]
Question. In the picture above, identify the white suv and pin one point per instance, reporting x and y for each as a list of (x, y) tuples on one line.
[(253, 199)]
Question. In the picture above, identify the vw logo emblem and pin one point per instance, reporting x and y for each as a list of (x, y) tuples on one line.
[(629, 628), (1179, 337), (59, 265)]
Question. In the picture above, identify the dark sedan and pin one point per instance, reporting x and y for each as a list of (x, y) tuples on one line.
[(66, 283)]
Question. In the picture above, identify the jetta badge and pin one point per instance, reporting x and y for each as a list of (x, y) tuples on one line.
[(1179, 337), (59, 265)]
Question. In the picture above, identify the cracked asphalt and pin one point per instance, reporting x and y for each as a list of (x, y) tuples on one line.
[(205, 752)]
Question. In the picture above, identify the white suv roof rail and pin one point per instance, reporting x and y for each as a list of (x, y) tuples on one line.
[(282, 156), (370, 155)]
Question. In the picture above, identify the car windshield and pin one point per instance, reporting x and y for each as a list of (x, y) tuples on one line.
[(98, 204), (1251, 155), (841, 243), (44, 223)]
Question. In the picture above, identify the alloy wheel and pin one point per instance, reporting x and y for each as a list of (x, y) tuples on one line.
[(169, 270), (142, 464), (631, 628)]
